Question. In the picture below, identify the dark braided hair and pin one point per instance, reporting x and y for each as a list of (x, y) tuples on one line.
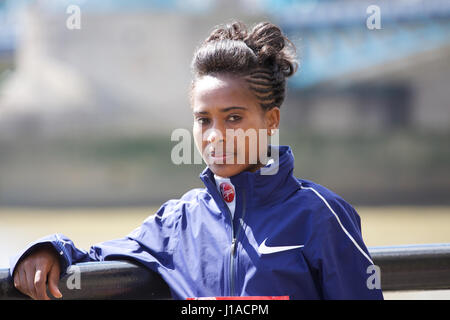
[(264, 58)]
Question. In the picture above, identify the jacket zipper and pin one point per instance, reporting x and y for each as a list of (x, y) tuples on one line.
[(233, 245)]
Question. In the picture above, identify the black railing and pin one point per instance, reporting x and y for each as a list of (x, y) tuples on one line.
[(412, 267)]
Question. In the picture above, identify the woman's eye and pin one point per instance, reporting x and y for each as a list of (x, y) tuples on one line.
[(203, 121), (234, 118)]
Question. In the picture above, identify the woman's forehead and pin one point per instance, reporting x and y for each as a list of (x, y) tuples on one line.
[(221, 91), (216, 84)]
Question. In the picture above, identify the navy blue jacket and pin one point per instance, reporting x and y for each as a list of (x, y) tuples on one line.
[(289, 237)]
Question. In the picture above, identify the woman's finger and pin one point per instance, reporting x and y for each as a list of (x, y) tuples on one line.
[(17, 281), (23, 282), (53, 279), (29, 280), (40, 283)]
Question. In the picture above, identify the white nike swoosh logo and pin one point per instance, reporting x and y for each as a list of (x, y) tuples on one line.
[(263, 249)]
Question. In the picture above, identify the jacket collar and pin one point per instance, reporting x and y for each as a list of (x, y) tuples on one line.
[(259, 187)]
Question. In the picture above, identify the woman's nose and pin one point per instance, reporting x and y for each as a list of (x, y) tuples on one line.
[(213, 135)]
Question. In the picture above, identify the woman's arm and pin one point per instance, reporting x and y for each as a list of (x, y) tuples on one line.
[(41, 263), (46, 259), (337, 252)]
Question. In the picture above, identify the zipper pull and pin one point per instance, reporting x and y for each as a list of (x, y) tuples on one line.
[(233, 246)]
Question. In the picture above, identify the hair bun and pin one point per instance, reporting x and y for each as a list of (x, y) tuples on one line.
[(272, 47), (234, 31)]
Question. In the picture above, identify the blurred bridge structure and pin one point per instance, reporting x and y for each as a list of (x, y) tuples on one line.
[(332, 34), (335, 40)]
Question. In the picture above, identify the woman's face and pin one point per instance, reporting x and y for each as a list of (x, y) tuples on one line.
[(222, 105)]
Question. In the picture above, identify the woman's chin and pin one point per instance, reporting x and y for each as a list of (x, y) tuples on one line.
[(226, 170)]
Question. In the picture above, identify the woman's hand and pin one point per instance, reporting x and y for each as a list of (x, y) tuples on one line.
[(34, 271)]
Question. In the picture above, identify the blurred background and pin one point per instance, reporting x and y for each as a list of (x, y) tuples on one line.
[(87, 107)]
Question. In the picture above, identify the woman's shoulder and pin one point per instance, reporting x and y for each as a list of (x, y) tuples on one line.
[(178, 205), (324, 202), (316, 190), (193, 195)]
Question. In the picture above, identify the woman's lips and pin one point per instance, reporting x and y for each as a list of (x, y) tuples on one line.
[(222, 158)]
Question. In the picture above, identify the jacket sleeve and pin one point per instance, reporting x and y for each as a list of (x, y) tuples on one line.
[(66, 249), (337, 254), (151, 244)]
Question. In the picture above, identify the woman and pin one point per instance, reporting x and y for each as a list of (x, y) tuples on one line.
[(255, 230)]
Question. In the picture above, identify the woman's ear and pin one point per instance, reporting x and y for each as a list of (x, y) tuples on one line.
[(272, 119)]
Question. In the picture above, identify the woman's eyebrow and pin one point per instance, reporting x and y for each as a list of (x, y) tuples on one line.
[(233, 108), (201, 112), (221, 110)]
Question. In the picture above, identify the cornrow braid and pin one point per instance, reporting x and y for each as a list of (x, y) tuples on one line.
[(264, 58), (267, 87)]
